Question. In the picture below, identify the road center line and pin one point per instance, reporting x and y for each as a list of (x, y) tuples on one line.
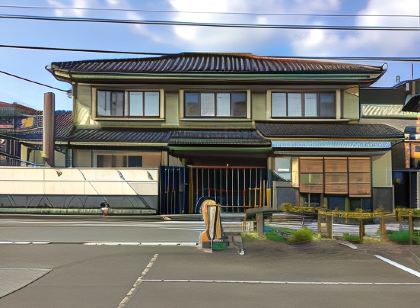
[(400, 266), (279, 282), (137, 283)]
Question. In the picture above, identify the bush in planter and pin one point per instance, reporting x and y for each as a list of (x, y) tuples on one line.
[(273, 235), (402, 237), (352, 238), (303, 235)]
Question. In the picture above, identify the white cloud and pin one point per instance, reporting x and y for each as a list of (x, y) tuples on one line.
[(138, 28), (233, 38), (328, 42), (70, 12)]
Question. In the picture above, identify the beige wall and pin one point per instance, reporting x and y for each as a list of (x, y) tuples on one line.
[(351, 104), (259, 100), (82, 106), (382, 170), (82, 158), (259, 106), (60, 159)]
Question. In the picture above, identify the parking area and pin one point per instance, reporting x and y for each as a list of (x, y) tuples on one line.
[(270, 274)]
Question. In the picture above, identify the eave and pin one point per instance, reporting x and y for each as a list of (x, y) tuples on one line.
[(359, 78)]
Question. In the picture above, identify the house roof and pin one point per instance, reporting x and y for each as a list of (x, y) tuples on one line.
[(195, 62), (386, 111), (170, 136), (413, 104), (16, 109), (63, 127), (130, 135), (327, 130), (218, 137)]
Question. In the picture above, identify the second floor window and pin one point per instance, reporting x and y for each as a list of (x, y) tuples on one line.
[(140, 104), (303, 105), (110, 103), (215, 104), (143, 104)]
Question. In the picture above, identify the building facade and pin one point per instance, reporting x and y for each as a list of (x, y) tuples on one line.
[(398, 106), (245, 130)]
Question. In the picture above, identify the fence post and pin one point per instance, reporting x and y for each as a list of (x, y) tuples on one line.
[(319, 223), (410, 227), (383, 227), (361, 229), (259, 217), (329, 226)]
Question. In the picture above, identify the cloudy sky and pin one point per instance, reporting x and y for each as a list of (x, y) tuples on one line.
[(31, 64)]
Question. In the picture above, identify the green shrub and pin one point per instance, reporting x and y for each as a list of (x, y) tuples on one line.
[(303, 235), (251, 236), (352, 238), (274, 236), (402, 237)]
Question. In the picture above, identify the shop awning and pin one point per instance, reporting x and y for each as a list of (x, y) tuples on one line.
[(332, 144)]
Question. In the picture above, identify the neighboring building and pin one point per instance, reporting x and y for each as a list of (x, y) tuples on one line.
[(399, 107), (15, 117), (21, 135), (245, 130)]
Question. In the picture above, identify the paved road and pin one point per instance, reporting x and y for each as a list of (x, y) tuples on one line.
[(271, 274), (102, 230), (323, 274)]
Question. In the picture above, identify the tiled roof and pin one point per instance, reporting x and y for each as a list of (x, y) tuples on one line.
[(327, 130), (386, 111), (16, 109), (63, 127), (413, 104), (213, 63), (217, 137), (132, 135), (172, 137)]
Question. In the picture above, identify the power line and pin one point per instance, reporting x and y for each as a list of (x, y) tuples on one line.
[(201, 12), (206, 24), (146, 53), (32, 81)]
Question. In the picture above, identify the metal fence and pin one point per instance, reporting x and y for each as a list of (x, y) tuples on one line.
[(235, 188)]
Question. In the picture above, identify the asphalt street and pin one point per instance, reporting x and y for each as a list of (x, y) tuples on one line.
[(321, 274), (106, 229)]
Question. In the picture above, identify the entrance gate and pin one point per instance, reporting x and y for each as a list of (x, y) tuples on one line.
[(235, 188), (172, 196)]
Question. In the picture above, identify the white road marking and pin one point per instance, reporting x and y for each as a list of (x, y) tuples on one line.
[(137, 283), (279, 282), (184, 244), (23, 243), (172, 244), (400, 266), (347, 244)]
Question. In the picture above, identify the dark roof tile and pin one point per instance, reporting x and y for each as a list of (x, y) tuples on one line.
[(327, 130), (217, 137), (213, 63), (172, 137)]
